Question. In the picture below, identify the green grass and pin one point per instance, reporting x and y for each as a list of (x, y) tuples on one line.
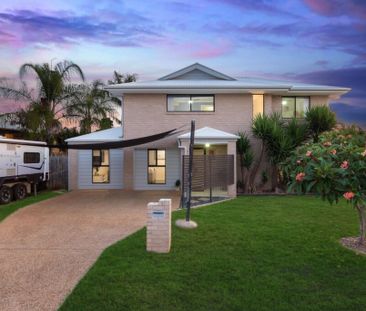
[(252, 253), (7, 209)]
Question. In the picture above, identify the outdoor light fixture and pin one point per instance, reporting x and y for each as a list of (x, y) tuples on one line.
[(207, 145)]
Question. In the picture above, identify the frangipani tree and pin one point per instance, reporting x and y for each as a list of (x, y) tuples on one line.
[(334, 167)]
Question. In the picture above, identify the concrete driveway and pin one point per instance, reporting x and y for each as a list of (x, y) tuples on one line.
[(47, 247)]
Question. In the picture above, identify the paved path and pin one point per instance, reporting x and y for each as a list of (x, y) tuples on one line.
[(46, 248)]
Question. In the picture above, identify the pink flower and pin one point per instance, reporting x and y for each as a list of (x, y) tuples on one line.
[(300, 177), (334, 152), (364, 153), (345, 164), (309, 153), (327, 144), (298, 162), (348, 195)]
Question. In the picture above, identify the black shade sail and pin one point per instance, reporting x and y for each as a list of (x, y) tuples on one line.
[(106, 145)]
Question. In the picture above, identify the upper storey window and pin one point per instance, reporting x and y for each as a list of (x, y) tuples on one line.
[(191, 103), (295, 107)]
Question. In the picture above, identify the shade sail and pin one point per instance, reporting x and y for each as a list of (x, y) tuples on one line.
[(109, 145)]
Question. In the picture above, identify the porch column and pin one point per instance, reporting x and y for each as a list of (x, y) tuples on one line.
[(231, 149)]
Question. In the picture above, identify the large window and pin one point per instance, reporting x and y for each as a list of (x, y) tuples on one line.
[(31, 157), (295, 107), (100, 163), (191, 103), (156, 166), (258, 105)]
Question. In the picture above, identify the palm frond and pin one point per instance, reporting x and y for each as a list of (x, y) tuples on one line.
[(67, 68), (22, 93)]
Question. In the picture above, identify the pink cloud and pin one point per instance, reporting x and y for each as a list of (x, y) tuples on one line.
[(322, 7), (338, 7), (210, 50)]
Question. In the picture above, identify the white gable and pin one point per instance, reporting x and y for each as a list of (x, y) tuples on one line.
[(197, 72)]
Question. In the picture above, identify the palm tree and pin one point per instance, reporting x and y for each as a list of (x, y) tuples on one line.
[(54, 89), (119, 78), (245, 155), (261, 128), (92, 106), (48, 102)]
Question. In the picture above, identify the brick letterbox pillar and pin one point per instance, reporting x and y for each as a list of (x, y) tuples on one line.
[(158, 237)]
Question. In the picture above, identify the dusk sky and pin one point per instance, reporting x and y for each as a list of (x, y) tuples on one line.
[(315, 41)]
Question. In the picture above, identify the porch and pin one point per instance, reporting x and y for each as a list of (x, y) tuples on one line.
[(214, 170)]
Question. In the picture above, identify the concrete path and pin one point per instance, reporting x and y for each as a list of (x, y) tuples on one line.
[(47, 247)]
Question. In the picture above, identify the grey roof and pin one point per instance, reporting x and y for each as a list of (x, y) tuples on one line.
[(170, 84), (200, 67)]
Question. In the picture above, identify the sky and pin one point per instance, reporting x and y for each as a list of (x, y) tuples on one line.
[(314, 41)]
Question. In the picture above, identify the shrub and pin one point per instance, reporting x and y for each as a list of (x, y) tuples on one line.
[(320, 119), (278, 139), (334, 167)]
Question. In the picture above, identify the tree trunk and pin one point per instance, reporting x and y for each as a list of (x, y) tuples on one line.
[(361, 215), (274, 177), (246, 181), (256, 167)]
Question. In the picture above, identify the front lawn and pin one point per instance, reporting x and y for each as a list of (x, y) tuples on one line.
[(7, 209), (252, 253)]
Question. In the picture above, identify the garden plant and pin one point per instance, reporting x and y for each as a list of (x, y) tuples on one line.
[(333, 167)]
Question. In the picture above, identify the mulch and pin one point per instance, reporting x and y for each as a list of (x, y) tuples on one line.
[(352, 244)]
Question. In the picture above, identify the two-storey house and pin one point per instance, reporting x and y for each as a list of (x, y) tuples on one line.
[(221, 106)]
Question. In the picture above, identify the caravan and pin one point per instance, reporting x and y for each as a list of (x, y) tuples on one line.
[(24, 164)]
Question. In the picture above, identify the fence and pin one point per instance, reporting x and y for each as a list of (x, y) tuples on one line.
[(58, 172)]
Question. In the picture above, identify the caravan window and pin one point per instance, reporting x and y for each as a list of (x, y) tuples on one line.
[(31, 157)]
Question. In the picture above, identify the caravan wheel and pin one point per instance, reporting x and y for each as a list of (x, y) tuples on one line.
[(20, 191), (6, 194)]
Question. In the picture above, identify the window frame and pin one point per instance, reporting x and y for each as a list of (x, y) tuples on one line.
[(156, 165), (109, 167), (190, 105), (294, 115), (32, 162)]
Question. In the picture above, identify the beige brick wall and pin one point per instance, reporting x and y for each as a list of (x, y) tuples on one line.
[(319, 100), (158, 229), (146, 113)]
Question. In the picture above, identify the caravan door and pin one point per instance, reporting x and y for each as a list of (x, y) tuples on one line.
[(31, 160)]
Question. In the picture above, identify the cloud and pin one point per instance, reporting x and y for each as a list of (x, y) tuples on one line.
[(122, 29), (351, 107), (350, 114), (262, 6), (210, 49), (347, 37), (356, 8)]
